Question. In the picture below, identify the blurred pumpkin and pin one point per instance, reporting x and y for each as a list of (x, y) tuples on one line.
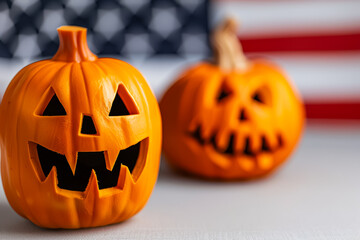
[(80, 138), (231, 119)]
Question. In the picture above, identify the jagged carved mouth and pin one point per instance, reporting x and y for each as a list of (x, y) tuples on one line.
[(132, 157), (246, 150)]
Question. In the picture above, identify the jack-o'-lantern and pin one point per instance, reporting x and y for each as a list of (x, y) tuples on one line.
[(80, 138), (234, 118)]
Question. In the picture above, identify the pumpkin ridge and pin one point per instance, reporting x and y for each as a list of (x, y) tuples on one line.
[(105, 73), (24, 88), (15, 84), (72, 145), (35, 69), (87, 90)]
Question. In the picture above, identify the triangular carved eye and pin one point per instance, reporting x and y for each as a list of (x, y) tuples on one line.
[(54, 107), (262, 95), (224, 93), (123, 103), (258, 97), (118, 107)]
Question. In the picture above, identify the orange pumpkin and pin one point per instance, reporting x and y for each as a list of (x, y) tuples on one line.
[(232, 119), (80, 138)]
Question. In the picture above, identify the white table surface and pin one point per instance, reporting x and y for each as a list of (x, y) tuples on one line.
[(316, 195)]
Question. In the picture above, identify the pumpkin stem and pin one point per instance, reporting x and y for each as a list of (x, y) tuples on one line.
[(73, 46), (229, 55)]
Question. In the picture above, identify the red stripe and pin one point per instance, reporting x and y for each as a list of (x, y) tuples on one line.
[(331, 42), (333, 110)]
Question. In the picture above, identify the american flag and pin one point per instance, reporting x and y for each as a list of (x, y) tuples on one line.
[(316, 42)]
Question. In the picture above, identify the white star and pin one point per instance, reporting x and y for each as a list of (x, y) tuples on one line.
[(108, 22), (164, 21), (5, 22), (79, 5), (191, 5), (138, 44), (24, 5), (27, 46), (53, 19), (134, 5), (193, 43)]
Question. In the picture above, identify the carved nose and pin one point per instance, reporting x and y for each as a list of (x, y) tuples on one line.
[(243, 115), (88, 126)]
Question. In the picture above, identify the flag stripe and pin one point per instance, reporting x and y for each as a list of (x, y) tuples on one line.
[(340, 42), (289, 18), (333, 110)]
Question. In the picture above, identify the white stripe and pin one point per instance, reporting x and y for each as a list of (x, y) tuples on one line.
[(322, 76), (317, 76), (290, 17)]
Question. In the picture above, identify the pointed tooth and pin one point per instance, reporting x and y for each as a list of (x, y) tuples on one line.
[(239, 143), (206, 131), (272, 141), (193, 126), (72, 160), (246, 163), (110, 158), (51, 179), (129, 177), (265, 161), (206, 134), (92, 186), (124, 172), (255, 143), (222, 140), (91, 193), (198, 135)]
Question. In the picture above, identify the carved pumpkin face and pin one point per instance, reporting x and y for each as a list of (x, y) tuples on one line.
[(235, 124), (80, 138)]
